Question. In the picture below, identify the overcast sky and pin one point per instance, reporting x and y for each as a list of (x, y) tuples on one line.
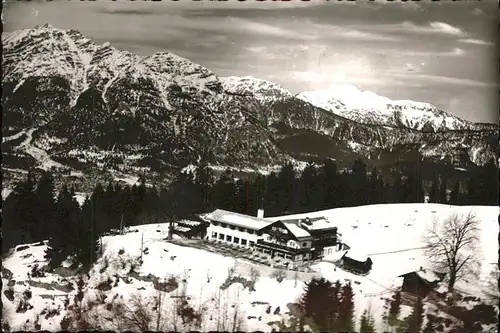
[(444, 53)]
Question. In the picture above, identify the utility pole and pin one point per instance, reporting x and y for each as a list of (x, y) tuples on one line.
[(142, 241), (92, 246)]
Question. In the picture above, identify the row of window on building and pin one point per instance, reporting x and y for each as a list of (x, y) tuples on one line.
[(232, 227), (231, 239)]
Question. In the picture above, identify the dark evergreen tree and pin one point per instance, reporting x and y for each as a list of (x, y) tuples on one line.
[(152, 207), (396, 192), (26, 206), (367, 323), (284, 190), (346, 309), (62, 235), (257, 193), (442, 192), (88, 245), (416, 318), (394, 309), (359, 184), (413, 189), (375, 188), (319, 303), (45, 207), (333, 195), (271, 203), (488, 182), (100, 207), (185, 196), (204, 181), (127, 206), (241, 200), (224, 192), (18, 214), (455, 195), (434, 192), (307, 199), (473, 191)]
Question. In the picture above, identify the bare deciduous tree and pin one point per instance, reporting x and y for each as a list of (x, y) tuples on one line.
[(491, 288), (134, 314), (452, 247)]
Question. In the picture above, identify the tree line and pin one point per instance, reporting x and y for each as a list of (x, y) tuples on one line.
[(33, 212)]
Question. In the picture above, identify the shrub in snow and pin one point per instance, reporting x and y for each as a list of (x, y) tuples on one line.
[(254, 274), (9, 293), (170, 285), (36, 271), (105, 285), (27, 294), (49, 313), (238, 279), (23, 306), (279, 275)]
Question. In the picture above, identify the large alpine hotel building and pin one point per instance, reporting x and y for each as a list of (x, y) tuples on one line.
[(292, 239)]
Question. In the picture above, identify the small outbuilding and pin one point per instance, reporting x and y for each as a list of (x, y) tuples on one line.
[(356, 262), (194, 227), (421, 282)]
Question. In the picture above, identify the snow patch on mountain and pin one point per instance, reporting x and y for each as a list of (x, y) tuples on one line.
[(367, 107), (258, 88)]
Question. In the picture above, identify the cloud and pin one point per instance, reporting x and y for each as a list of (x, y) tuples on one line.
[(477, 12), (264, 29), (366, 36), (432, 28), (414, 67), (475, 41), (445, 79), (456, 52)]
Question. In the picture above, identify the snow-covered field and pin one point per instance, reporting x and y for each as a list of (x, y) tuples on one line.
[(389, 234), (392, 236)]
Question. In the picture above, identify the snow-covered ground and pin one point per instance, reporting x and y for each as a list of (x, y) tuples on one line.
[(389, 234), (392, 236)]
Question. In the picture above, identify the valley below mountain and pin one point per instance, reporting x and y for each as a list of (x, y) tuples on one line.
[(73, 106)]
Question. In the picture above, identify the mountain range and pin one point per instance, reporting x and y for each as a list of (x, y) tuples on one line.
[(73, 104)]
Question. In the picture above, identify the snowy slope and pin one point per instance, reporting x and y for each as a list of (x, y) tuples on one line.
[(367, 107), (392, 241), (260, 89)]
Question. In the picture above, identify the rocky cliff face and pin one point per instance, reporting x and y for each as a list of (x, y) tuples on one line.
[(86, 104)]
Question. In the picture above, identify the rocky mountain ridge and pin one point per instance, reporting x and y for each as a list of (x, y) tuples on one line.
[(85, 104)]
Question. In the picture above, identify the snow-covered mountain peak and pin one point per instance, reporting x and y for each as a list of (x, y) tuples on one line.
[(259, 88), (368, 107), (347, 95)]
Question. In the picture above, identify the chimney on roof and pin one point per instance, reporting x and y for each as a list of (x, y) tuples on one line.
[(299, 223), (260, 213)]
